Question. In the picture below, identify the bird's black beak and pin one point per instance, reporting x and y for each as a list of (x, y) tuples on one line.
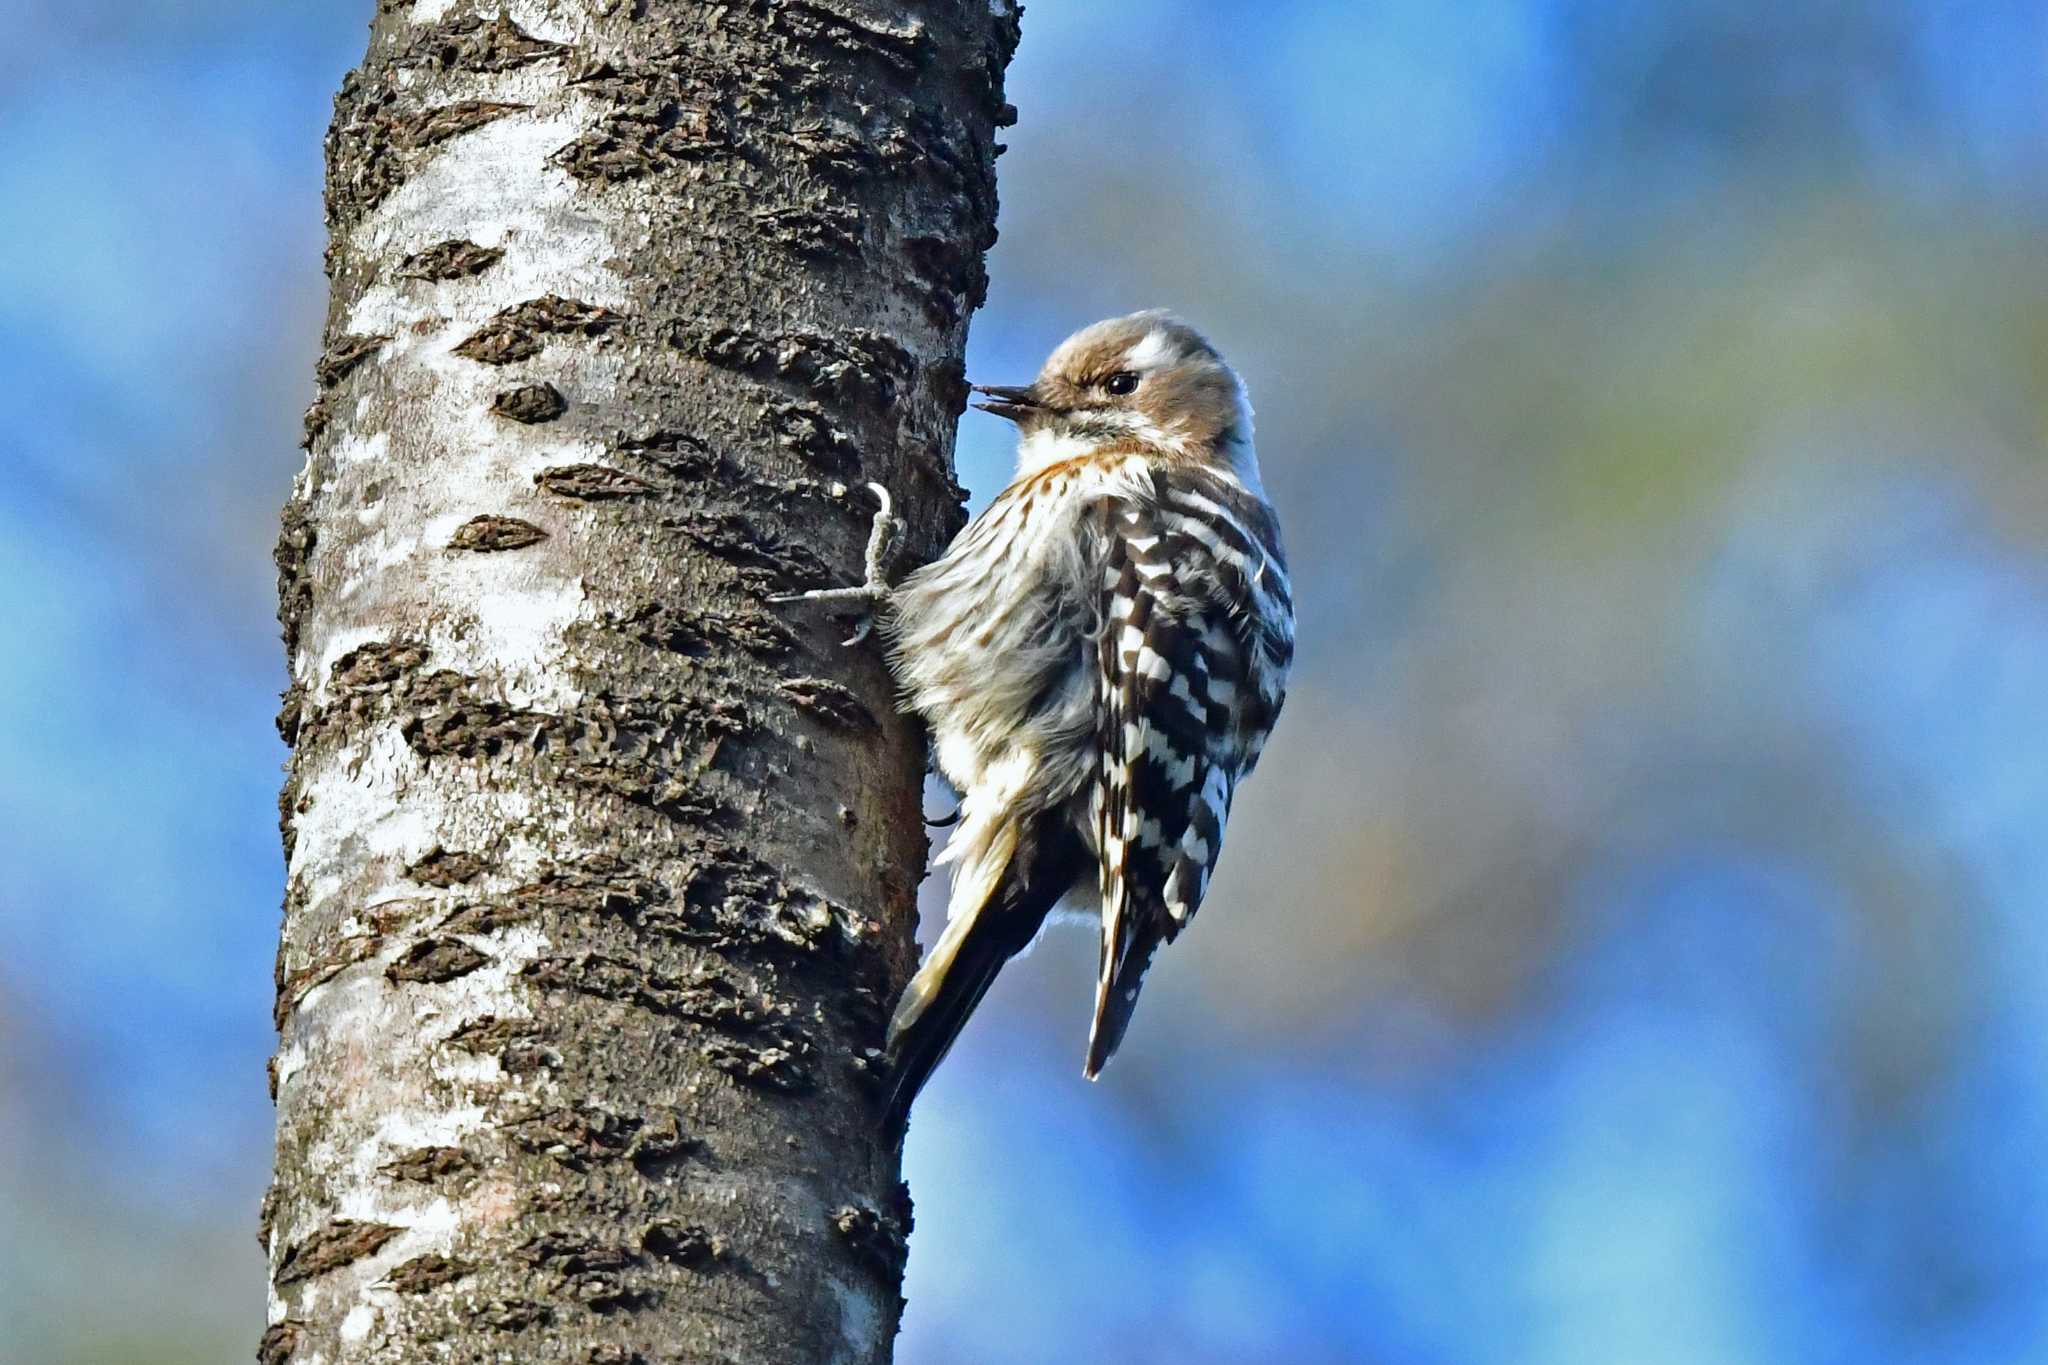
[(1012, 401)]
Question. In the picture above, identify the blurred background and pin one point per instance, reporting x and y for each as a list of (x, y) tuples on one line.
[(1633, 945)]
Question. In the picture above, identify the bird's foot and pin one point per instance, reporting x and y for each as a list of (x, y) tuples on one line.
[(885, 538)]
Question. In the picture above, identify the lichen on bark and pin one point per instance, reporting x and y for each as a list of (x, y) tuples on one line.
[(600, 873)]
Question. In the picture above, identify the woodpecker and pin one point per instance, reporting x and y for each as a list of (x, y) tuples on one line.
[(1099, 657)]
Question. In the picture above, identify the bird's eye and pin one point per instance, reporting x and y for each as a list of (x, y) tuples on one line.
[(1122, 382)]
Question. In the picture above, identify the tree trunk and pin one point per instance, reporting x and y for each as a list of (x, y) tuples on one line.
[(600, 869)]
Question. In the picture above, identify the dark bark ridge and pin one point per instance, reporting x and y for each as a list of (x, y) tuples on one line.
[(601, 873)]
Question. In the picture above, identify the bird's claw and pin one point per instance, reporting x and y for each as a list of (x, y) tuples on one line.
[(883, 539)]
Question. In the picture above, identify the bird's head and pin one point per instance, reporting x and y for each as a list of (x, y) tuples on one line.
[(1147, 379)]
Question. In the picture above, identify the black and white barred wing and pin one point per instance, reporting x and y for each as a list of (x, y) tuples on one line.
[(1193, 653)]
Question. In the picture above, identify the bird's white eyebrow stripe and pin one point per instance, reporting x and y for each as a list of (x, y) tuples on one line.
[(1152, 352)]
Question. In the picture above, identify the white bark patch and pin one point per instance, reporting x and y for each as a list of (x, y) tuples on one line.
[(289, 1061), (522, 608), (459, 1067), (493, 185), (357, 1020), (502, 191), (518, 604), (537, 17), (370, 813), (356, 448), (358, 1323), (860, 1321), (358, 804), (397, 1134)]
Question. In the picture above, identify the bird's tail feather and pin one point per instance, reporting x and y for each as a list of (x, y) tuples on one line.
[(963, 964), (1116, 996)]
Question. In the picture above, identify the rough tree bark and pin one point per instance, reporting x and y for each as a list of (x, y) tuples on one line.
[(600, 870)]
